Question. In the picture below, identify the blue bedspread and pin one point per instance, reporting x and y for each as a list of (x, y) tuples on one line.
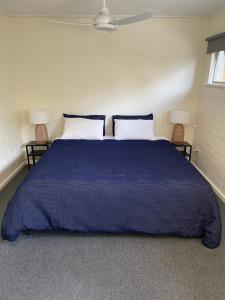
[(115, 186)]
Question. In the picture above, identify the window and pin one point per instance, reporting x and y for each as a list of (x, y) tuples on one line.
[(217, 69)]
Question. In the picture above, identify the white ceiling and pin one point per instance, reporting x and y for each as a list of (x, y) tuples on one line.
[(117, 7)]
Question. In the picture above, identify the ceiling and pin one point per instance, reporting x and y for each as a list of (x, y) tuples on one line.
[(117, 7)]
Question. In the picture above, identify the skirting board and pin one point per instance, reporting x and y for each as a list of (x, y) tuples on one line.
[(215, 188), (13, 174)]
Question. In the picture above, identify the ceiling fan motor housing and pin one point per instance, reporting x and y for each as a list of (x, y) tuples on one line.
[(104, 21)]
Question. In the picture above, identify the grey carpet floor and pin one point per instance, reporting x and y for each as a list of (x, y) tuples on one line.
[(89, 267)]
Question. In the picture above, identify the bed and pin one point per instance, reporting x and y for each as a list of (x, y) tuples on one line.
[(114, 186)]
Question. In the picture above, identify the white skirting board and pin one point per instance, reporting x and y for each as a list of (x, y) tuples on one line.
[(215, 188), (13, 174)]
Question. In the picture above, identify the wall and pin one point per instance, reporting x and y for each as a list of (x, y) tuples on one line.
[(210, 133), (10, 131), (154, 66)]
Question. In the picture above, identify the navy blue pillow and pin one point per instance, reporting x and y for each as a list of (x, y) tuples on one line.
[(120, 117), (90, 117)]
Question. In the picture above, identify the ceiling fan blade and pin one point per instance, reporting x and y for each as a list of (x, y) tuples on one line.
[(69, 23), (134, 19)]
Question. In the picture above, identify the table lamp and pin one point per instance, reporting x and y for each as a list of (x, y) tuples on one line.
[(40, 117), (179, 118)]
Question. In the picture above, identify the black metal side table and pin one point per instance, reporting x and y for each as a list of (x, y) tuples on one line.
[(35, 151), (183, 148)]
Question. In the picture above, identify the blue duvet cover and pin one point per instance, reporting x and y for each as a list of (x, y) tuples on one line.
[(115, 186)]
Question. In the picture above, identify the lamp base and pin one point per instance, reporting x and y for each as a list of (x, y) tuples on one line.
[(41, 134), (178, 133)]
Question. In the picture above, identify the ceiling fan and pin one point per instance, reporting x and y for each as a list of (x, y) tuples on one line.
[(105, 21)]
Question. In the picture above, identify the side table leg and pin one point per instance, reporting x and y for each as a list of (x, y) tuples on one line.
[(28, 158), (190, 154), (32, 149)]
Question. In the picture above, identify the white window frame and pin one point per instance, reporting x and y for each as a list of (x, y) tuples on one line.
[(215, 66)]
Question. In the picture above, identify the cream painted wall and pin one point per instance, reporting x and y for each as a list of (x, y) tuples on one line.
[(154, 66), (10, 131), (210, 133)]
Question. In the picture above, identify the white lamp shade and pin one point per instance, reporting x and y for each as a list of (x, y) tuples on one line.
[(180, 116), (39, 116)]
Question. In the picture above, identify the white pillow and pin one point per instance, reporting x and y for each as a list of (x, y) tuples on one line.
[(83, 129), (134, 129), (109, 137)]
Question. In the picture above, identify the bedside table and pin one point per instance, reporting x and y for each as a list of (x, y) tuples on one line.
[(35, 151), (183, 148)]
